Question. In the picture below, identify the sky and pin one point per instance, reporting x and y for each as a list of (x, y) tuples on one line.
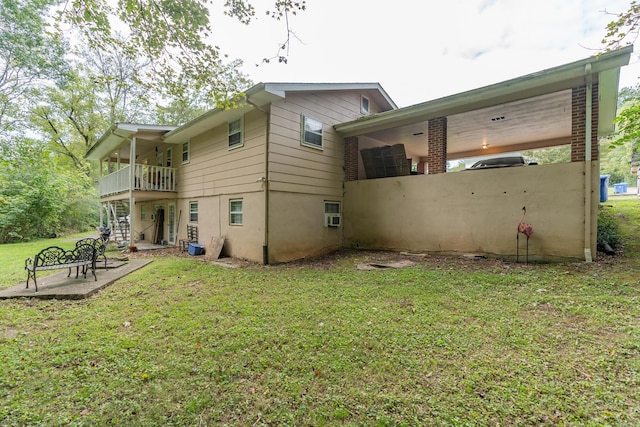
[(420, 50)]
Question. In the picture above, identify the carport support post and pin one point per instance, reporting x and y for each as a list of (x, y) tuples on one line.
[(437, 141), (588, 257), (132, 177)]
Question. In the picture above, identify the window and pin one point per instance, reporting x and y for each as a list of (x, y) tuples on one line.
[(235, 134), (364, 105), (332, 207), (332, 216), (193, 211), (143, 212), (311, 132), (169, 157), (235, 212), (159, 158), (186, 152)]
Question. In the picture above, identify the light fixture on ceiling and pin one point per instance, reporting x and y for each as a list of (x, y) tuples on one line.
[(485, 146)]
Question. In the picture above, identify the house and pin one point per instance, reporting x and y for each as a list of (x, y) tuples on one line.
[(299, 170)]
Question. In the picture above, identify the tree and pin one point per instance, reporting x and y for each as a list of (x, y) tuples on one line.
[(173, 35), (39, 196), (624, 29), (28, 54)]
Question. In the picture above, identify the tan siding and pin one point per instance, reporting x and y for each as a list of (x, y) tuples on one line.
[(334, 192), (214, 169), (298, 168)]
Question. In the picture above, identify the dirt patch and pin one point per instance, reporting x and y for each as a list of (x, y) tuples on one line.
[(464, 262)]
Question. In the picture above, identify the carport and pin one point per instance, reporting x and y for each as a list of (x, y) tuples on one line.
[(573, 104)]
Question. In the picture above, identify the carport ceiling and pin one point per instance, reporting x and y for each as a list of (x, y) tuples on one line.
[(536, 122)]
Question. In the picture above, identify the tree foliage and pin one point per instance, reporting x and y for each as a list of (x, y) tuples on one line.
[(175, 36), (28, 55), (38, 196), (624, 29)]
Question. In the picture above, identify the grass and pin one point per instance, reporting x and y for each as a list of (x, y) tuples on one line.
[(446, 342)]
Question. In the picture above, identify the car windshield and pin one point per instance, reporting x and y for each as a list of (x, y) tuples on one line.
[(499, 162)]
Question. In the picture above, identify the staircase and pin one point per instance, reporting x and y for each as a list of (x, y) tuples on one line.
[(118, 212)]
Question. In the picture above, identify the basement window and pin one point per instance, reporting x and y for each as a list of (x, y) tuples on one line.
[(193, 211), (235, 212)]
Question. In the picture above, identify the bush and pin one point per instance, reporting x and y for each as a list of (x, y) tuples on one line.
[(608, 228)]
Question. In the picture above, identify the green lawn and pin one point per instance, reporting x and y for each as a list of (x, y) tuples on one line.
[(447, 342)]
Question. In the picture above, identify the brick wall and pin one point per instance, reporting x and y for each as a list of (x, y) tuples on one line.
[(351, 158), (579, 122), (437, 156)]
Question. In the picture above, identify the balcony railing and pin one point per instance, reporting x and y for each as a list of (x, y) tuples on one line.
[(146, 178)]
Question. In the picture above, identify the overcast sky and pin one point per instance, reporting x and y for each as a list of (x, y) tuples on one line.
[(420, 50)]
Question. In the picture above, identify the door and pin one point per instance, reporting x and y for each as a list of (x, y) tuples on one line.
[(171, 224)]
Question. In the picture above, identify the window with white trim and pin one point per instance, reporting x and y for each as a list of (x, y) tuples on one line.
[(311, 132), (235, 133), (332, 214), (169, 160), (235, 212), (186, 152), (193, 211), (332, 207), (364, 105), (143, 212)]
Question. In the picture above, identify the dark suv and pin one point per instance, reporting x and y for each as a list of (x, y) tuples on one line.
[(499, 162)]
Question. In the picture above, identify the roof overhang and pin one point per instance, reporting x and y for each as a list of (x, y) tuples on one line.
[(120, 133), (604, 67), (263, 94)]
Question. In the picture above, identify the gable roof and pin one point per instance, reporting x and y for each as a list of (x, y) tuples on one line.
[(120, 132), (264, 93)]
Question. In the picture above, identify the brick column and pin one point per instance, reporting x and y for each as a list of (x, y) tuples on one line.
[(579, 122), (351, 158), (437, 156)]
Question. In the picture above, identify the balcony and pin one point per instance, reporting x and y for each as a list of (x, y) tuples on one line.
[(146, 178)]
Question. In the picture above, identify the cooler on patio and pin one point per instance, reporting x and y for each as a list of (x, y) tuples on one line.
[(196, 249)]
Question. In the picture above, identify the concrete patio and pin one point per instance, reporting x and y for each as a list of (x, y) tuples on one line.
[(59, 286)]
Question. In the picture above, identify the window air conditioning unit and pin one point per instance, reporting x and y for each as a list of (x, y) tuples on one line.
[(332, 220)]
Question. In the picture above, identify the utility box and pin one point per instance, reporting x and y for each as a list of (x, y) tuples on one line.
[(196, 249)]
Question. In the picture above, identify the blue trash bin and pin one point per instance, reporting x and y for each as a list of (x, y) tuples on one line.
[(604, 188), (620, 188)]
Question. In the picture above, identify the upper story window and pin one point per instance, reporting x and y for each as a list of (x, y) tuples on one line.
[(186, 152), (169, 157), (311, 132), (235, 134), (364, 105)]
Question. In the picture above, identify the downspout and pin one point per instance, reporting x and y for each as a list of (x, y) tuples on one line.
[(265, 184), (588, 188), (132, 201)]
